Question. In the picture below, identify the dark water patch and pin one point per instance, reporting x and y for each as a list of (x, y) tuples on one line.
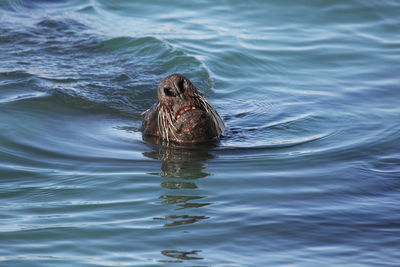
[(60, 28)]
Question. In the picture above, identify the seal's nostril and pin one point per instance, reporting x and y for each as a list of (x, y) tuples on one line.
[(181, 86), (168, 91)]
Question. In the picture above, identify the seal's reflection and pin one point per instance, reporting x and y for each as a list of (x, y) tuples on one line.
[(180, 255), (180, 161), (182, 165)]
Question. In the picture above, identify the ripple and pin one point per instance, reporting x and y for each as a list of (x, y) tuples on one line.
[(22, 97), (387, 165), (24, 5), (263, 124), (312, 140)]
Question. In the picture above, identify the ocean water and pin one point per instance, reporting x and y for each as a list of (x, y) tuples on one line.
[(307, 172)]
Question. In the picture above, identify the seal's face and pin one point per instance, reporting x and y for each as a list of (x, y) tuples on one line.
[(182, 114)]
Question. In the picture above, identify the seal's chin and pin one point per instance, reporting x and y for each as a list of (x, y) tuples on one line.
[(183, 110), (194, 125)]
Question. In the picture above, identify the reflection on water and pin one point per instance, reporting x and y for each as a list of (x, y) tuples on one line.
[(181, 219), (178, 161), (181, 166), (180, 255)]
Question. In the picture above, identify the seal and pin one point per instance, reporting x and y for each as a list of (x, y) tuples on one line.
[(182, 114)]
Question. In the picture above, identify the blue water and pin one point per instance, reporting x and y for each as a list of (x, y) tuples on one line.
[(307, 172)]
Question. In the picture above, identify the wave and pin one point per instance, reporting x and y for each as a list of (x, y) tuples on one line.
[(62, 56)]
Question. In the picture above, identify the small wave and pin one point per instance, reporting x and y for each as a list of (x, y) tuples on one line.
[(288, 120), (23, 5), (121, 73), (14, 75), (256, 142), (247, 109), (20, 97), (389, 165)]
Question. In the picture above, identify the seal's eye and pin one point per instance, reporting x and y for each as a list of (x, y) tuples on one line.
[(168, 91)]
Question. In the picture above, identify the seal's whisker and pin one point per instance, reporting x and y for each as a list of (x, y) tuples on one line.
[(165, 123), (214, 115)]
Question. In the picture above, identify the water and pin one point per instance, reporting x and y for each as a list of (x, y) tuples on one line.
[(306, 174)]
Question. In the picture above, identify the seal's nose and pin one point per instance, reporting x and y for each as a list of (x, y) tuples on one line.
[(177, 88)]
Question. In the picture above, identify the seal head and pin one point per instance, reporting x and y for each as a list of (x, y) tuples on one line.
[(182, 114)]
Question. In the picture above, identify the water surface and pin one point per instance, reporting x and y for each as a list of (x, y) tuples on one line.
[(306, 173)]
